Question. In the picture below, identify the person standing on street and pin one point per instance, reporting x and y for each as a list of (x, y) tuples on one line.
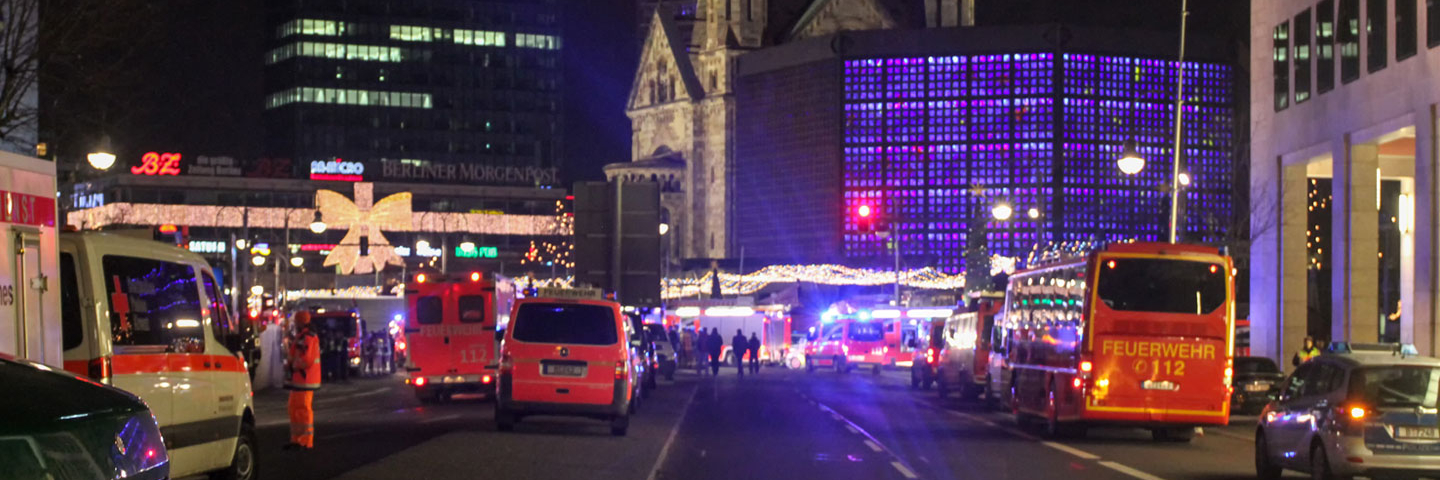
[(302, 379), (754, 350), (698, 351), (1306, 353), (738, 346), (714, 344)]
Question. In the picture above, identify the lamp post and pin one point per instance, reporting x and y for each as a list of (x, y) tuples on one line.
[(1132, 163), (104, 155)]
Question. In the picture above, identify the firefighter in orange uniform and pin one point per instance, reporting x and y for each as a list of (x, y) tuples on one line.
[(303, 380)]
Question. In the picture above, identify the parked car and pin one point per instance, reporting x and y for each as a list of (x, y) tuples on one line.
[(1358, 410), (66, 426), (1257, 382), (665, 359)]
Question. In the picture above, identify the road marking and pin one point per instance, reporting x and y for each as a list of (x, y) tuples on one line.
[(442, 418), (665, 450), (897, 462), (1071, 450), (873, 446), (1129, 471), (852, 429), (1058, 446), (903, 469)]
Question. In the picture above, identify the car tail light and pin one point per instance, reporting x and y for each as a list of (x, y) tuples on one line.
[(420, 278), (420, 382), (1086, 367), (474, 276), (621, 370), (100, 369), (1077, 382), (930, 356), (486, 379), (1229, 371), (1351, 418), (507, 363)]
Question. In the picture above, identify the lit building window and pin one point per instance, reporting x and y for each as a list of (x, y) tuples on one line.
[(479, 38), (409, 33), (367, 53), (343, 96), (310, 26), (544, 42)]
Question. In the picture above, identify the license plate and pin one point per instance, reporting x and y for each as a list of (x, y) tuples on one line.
[(860, 358), (565, 370), (1160, 385), (1257, 387), (1430, 433)]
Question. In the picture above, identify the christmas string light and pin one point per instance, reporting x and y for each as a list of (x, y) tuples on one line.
[(734, 284)]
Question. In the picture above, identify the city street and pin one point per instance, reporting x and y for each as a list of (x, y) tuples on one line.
[(776, 425)]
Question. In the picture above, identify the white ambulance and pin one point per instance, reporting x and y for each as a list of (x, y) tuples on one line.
[(140, 315), (151, 319), (29, 294)]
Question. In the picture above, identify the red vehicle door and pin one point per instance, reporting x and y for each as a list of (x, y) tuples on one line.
[(472, 334), (429, 349)]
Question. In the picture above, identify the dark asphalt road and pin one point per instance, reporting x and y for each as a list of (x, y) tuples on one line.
[(781, 425)]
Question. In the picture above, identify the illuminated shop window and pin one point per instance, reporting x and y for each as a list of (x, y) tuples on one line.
[(410, 33), (544, 42), (479, 38), (366, 53), (310, 26), (341, 96)]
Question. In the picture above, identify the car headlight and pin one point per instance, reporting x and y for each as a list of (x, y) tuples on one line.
[(138, 446)]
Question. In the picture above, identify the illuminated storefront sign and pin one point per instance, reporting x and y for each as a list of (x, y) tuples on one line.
[(423, 251), (469, 173), (338, 170), (208, 246), (313, 247), (214, 166), (87, 200), (157, 164), (476, 252)]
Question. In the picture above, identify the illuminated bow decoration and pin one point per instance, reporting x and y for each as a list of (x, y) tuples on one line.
[(390, 213)]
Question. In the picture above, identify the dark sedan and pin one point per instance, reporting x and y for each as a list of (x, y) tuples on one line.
[(1257, 382), (57, 425)]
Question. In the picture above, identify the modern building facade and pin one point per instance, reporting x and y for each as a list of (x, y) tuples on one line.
[(1343, 173), (417, 85), (682, 104), (931, 130)]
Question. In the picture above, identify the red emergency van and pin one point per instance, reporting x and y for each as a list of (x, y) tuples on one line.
[(569, 356), (847, 343), (453, 332)]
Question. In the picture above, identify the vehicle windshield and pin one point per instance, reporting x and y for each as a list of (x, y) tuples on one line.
[(1161, 285), (565, 324), (1255, 365), (866, 332), (1396, 386)]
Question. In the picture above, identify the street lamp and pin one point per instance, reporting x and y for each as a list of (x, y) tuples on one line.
[(1130, 160), (257, 290), (103, 157), (1002, 211), (241, 244), (1033, 213), (257, 260), (317, 226), (1131, 163), (296, 261), (664, 228)]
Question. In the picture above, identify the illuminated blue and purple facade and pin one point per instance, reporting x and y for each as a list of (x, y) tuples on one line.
[(933, 142)]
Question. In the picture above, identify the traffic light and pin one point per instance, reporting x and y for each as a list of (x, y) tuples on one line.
[(865, 217)]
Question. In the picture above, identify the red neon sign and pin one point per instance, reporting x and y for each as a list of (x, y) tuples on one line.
[(316, 247), (154, 163)]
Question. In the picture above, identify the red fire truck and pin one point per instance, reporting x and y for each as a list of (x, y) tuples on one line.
[(453, 328)]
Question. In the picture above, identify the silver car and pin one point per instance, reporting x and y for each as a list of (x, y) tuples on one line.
[(1366, 410)]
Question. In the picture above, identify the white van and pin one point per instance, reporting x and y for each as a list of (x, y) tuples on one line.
[(151, 319), (29, 321)]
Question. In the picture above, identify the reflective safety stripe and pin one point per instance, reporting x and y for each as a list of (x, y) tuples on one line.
[(302, 386)]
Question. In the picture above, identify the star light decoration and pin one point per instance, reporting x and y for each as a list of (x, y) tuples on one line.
[(364, 220)]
